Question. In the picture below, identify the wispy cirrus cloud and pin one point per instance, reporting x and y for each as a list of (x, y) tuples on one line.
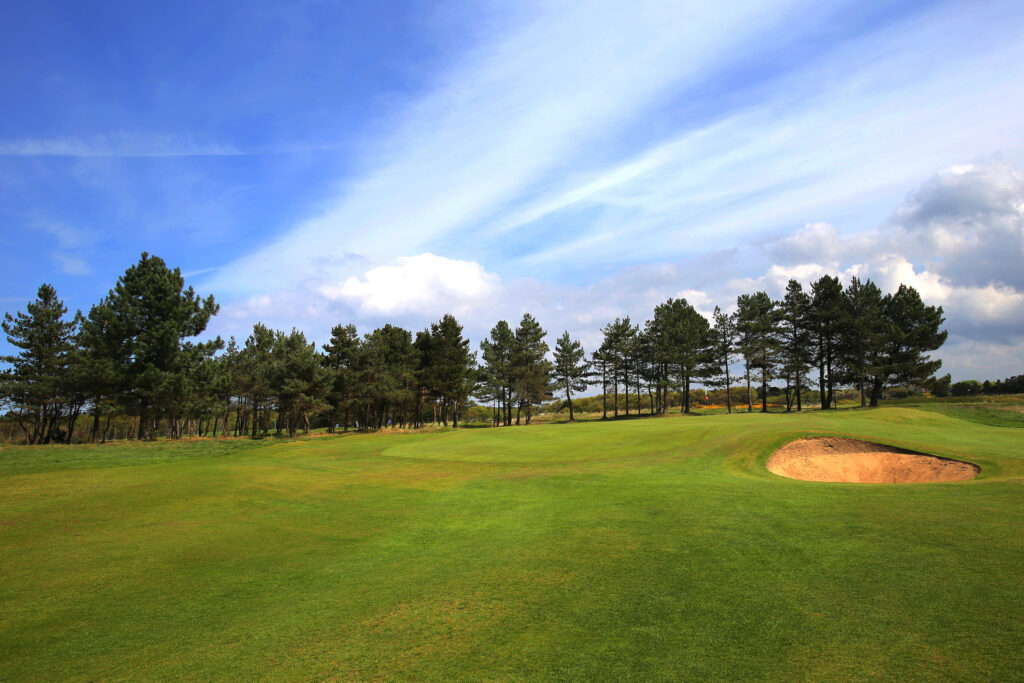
[(541, 90), (817, 144), (71, 245), (120, 144), (505, 159), (955, 206)]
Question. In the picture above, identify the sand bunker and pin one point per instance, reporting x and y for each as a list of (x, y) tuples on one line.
[(834, 459)]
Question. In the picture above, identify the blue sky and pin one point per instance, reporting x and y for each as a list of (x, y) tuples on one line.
[(315, 163)]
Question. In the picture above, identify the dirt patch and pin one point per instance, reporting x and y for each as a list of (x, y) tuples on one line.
[(848, 460)]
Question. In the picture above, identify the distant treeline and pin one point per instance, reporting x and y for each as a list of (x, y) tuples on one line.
[(130, 367), (944, 386)]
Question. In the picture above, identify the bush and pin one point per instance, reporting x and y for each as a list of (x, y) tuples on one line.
[(968, 387)]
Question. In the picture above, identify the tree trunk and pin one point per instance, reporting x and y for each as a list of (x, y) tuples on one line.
[(876, 392), (750, 398), (625, 379), (604, 393), (728, 393), (71, 425), (615, 379), (95, 423)]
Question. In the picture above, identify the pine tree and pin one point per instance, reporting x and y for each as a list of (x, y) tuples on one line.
[(862, 333), (530, 369), (826, 325), (614, 354), (257, 370), (37, 383), (342, 356), (151, 313), (912, 330), (684, 338), (389, 379), (795, 341), (571, 368), (498, 356), (721, 345), (757, 319), (451, 366), (300, 380)]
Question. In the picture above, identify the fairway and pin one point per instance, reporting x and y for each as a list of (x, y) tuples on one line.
[(644, 549)]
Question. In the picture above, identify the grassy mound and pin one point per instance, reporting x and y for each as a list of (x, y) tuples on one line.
[(651, 549)]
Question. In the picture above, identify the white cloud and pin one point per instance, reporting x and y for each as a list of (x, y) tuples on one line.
[(71, 265), (967, 223), (515, 161), (69, 239), (416, 283), (836, 135), (541, 90), (116, 144), (958, 239)]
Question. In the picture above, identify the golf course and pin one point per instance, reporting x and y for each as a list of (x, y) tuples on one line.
[(642, 549)]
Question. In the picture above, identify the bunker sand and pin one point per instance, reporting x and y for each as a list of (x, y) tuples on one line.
[(849, 460)]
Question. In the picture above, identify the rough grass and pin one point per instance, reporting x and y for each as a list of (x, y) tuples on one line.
[(656, 549), (997, 411)]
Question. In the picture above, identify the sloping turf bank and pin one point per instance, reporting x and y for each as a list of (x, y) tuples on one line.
[(644, 549)]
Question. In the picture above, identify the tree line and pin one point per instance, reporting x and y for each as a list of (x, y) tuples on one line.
[(134, 357), (830, 337)]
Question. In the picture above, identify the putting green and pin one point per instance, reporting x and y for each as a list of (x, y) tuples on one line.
[(654, 549)]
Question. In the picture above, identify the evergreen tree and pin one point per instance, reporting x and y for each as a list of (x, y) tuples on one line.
[(424, 345), (862, 334), (151, 313), (300, 380), (795, 341), (103, 354), (721, 345), (684, 338), (571, 368), (451, 366), (342, 358), (827, 315), (37, 384), (912, 330), (758, 321), (647, 369), (530, 369), (225, 385), (601, 363), (615, 351), (257, 369), (658, 358), (390, 375), (498, 355)]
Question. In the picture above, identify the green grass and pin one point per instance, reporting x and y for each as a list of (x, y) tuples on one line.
[(656, 549), (997, 411)]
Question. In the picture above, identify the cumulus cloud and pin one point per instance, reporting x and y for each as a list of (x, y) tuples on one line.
[(958, 239), (521, 134), (985, 313), (967, 223), (426, 283)]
